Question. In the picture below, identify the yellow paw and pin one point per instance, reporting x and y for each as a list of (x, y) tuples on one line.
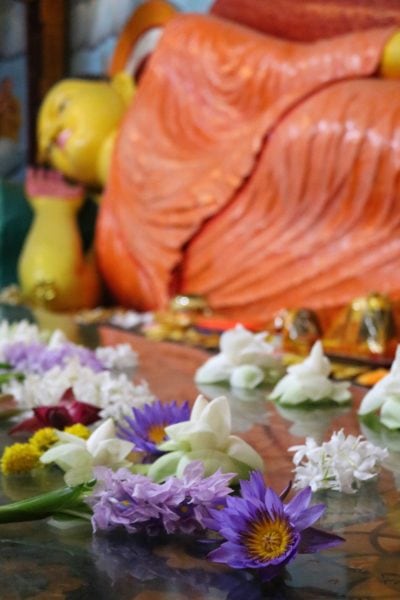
[(390, 63)]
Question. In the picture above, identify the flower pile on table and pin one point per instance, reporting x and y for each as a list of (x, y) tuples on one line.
[(133, 463), (189, 487), (62, 382)]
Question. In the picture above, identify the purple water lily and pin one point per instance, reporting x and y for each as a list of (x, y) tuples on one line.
[(146, 429), (263, 533), (38, 358)]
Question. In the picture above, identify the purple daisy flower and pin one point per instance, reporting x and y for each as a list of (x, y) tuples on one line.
[(39, 358), (134, 502), (146, 429), (263, 533)]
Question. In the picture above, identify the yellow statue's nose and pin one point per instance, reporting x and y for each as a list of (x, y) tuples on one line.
[(46, 136)]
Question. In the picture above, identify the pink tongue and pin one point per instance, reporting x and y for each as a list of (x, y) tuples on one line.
[(63, 137)]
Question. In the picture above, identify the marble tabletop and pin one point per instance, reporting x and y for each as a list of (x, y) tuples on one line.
[(41, 562)]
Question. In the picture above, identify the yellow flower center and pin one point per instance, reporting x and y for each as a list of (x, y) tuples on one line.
[(19, 458), (79, 430), (267, 539), (156, 433), (43, 438)]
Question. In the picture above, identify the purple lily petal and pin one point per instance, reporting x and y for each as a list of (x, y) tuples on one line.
[(309, 516), (146, 427), (314, 540), (273, 503), (254, 487), (299, 503), (230, 554)]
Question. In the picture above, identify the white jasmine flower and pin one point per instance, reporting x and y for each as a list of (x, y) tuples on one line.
[(245, 360), (206, 437), (57, 338), (23, 331), (77, 457), (118, 358), (385, 397), (340, 464), (130, 319), (114, 394), (309, 381)]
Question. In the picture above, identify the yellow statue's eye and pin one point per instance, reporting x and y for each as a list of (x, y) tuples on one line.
[(63, 105)]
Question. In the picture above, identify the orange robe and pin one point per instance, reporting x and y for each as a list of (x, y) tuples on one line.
[(258, 172)]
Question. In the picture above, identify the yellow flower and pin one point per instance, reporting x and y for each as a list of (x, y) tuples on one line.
[(19, 458), (43, 438), (79, 430)]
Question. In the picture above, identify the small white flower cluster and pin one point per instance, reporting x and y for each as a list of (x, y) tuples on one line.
[(130, 318), (121, 358), (246, 360), (115, 394), (23, 331), (340, 464), (118, 358)]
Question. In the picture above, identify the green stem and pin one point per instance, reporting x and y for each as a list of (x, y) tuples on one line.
[(44, 505), (6, 377), (81, 514)]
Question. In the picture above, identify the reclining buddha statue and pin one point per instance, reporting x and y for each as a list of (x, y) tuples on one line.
[(258, 172)]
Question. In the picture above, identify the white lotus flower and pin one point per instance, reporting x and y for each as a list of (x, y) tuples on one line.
[(246, 376), (216, 369), (309, 381), (247, 406), (340, 464), (245, 360), (77, 457), (385, 397), (206, 437)]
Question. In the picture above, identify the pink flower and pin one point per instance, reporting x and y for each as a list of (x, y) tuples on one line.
[(67, 412)]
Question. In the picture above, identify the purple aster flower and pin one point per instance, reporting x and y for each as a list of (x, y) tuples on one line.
[(39, 358), (146, 429), (201, 494), (134, 502), (263, 533)]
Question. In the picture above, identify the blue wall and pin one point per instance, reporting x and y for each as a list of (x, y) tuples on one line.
[(13, 66), (94, 27)]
